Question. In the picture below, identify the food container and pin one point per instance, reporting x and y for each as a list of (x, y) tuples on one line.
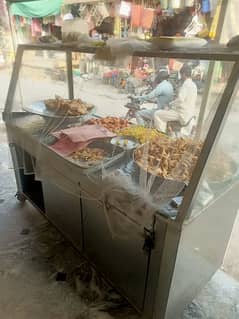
[(113, 154), (40, 108), (161, 189), (172, 160)]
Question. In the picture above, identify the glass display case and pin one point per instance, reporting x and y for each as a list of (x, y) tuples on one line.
[(133, 157)]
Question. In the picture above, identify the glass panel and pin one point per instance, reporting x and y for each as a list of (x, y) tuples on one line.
[(132, 134), (222, 169), (42, 76)]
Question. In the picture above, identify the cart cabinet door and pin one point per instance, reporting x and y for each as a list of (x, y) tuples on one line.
[(120, 257), (64, 211)]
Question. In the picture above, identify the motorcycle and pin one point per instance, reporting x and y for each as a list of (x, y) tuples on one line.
[(133, 107), (173, 127)]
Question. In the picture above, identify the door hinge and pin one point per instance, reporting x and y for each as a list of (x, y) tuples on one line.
[(149, 239)]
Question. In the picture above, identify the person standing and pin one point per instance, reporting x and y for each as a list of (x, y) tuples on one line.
[(157, 28), (182, 108)]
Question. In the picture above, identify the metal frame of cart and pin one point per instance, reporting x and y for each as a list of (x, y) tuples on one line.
[(177, 263)]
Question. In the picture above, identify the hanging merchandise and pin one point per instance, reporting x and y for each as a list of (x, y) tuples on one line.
[(48, 20), (117, 26), (36, 9), (22, 21), (36, 27), (58, 21), (3, 14), (136, 15), (194, 27), (206, 8), (147, 18), (125, 9)]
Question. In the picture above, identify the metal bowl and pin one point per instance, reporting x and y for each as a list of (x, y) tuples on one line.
[(40, 108)]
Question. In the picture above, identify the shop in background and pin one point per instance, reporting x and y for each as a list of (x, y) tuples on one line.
[(6, 48), (35, 19)]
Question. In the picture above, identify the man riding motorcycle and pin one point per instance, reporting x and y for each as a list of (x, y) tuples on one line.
[(183, 107), (163, 93)]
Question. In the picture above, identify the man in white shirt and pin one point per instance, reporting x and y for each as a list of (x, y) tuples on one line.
[(183, 108)]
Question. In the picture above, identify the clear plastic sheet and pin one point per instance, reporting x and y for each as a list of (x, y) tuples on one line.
[(221, 173), (46, 129)]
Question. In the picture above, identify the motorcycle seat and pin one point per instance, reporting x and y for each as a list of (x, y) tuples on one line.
[(176, 126)]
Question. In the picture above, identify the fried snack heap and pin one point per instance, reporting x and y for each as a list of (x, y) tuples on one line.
[(66, 107), (140, 133), (89, 154), (113, 124), (169, 158)]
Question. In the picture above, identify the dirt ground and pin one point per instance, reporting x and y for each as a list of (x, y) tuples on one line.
[(42, 276)]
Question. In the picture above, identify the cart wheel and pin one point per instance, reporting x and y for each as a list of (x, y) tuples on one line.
[(20, 197)]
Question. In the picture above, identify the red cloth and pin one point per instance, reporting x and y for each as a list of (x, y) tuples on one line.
[(136, 15), (76, 138), (84, 133), (64, 146), (36, 27), (147, 18)]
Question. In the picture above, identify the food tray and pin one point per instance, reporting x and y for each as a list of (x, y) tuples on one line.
[(152, 172), (40, 108), (115, 155)]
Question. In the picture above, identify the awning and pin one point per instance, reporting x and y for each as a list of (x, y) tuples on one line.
[(36, 9), (85, 1)]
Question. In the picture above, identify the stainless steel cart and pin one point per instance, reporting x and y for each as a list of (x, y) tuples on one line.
[(162, 267)]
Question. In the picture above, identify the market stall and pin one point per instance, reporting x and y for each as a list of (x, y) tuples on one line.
[(151, 210)]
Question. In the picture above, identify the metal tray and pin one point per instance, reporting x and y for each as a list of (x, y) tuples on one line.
[(116, 155), (151, 172), (40, 108)]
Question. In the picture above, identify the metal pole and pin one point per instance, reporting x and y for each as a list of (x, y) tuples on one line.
[(208, 83), (210, 141), (13, 81), (69, 74)]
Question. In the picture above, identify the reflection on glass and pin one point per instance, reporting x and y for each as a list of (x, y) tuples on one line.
[(42, 75), (216, 81), (138, 122), (221, 171)]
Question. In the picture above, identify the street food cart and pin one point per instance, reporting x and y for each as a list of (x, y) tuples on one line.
[(152, 212)]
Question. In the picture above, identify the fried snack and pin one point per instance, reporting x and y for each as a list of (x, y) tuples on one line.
[(113, 124), (89, 155), (67, 107), (169, 158), (140, 133)]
